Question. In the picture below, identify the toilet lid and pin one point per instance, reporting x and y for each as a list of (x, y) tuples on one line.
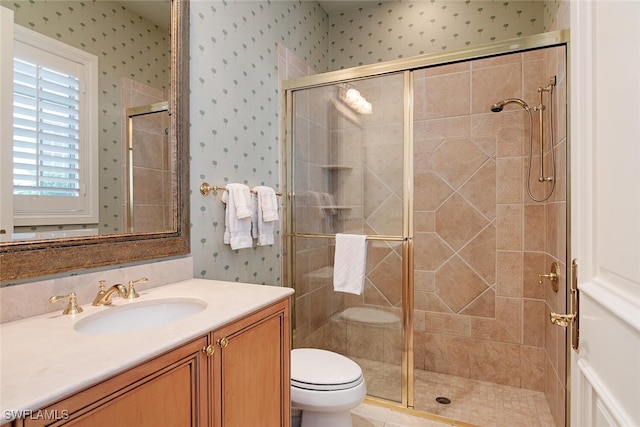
[(316, 369)]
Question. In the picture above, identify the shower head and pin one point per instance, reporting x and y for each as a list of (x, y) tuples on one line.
[(498, 106)]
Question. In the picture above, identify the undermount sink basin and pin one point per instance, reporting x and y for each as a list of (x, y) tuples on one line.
[(139, 316)]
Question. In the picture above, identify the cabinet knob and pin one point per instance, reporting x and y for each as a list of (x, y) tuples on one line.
[(223, 342), (209, 350)]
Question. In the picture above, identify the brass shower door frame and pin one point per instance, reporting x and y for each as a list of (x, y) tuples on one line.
[(406, 66), (406, 238)]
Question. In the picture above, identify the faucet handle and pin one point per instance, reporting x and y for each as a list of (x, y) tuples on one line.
[(131, 292), (72, 307), (101, 284)]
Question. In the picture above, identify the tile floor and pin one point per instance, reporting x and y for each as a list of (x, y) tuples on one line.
[(367, 415), (473, 402)]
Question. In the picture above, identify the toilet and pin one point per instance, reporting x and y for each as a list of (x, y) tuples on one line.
[(325, 386)]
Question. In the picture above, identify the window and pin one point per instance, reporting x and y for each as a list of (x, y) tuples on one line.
[(45, 131), (55, 148)]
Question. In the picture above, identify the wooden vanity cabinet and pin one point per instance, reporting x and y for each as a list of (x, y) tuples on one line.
[(251, 378), (170, 390), (237, 376)]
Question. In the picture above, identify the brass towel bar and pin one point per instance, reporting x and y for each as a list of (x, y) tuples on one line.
[(205, 189), (332, 236)]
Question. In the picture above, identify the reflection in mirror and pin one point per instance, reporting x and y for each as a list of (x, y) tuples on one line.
[(148, 203), (131, 40), (134, 54)]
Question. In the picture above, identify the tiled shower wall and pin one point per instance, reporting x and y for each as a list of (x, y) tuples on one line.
[(480, 242), (555, 245)]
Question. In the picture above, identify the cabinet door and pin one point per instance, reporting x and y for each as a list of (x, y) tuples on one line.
[(251, 370), (170, 390)]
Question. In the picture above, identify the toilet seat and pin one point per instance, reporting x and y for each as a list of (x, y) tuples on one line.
[(321, 370)]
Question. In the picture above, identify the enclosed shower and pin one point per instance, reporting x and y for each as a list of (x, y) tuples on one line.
[(435, 163)]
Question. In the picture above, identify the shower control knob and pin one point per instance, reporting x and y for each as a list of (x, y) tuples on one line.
[(552, 276)]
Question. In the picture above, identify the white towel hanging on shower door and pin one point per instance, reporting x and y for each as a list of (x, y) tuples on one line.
[(350, 261)]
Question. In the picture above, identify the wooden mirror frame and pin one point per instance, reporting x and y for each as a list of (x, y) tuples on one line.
[(29, 259)]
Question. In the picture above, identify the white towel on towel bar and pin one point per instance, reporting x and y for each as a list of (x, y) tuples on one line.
[(350, 261), (241, 200), (265, 213), (237, 224), (267, 203)]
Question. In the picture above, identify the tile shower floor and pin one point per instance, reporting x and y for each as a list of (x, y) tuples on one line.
[(474, 402)]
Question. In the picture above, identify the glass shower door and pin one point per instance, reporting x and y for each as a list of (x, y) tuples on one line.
[(346, 163)]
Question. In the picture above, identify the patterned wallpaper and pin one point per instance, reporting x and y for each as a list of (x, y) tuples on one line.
[(235, 112), (235, 117), (127, 46), (392, 30)]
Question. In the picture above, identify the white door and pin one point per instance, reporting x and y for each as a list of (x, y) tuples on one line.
[(605, 140)]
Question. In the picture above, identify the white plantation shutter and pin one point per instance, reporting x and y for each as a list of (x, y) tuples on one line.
[(45, 131), (54, 132)]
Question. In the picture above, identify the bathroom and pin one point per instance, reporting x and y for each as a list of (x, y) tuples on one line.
[(235, 111)]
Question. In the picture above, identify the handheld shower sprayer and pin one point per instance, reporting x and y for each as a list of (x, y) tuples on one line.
[(498, 106)]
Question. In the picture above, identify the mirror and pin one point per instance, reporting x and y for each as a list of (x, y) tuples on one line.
[(25, 259)]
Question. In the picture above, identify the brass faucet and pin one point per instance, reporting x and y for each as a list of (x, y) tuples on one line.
[(104, 296)]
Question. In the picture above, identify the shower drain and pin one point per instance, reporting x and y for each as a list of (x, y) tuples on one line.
[(443, 400)]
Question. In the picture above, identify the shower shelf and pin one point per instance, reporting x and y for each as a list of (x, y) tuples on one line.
[(321, 273), (337, 207), (336, 167)]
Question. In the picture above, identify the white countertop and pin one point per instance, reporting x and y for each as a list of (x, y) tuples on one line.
[(43, 359)]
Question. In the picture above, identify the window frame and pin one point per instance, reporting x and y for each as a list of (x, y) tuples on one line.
[(46, 210)]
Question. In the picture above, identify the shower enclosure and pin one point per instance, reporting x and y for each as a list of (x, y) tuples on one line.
[(455, 305)]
